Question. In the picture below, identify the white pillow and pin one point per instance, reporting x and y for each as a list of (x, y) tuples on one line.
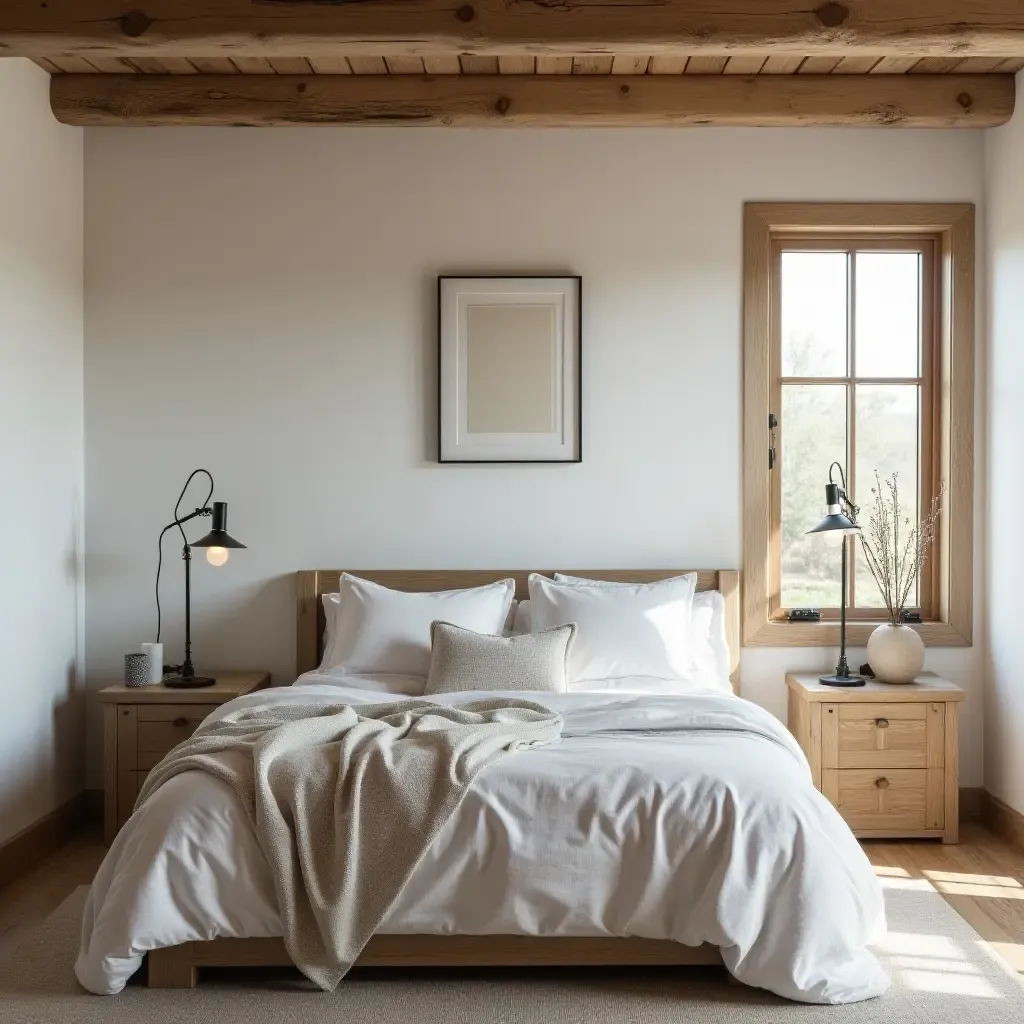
[(510, 620), (521, 623), (332, 606), (628, 629), (709, 646), (379, 631)]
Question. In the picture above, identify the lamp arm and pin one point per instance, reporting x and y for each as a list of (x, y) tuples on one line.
[(177, 505), (851, 509), (178, 521), (207, 511)]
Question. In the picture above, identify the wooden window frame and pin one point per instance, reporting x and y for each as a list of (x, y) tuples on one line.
[(950, 586)]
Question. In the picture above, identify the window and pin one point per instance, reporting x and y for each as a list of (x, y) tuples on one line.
[(851, 364), (858, 326)]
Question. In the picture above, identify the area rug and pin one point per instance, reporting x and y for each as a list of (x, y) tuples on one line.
[(942, 974)]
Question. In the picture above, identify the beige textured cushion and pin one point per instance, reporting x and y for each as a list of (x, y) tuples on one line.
[(463, 660)]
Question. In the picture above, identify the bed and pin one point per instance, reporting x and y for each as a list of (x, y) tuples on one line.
[(183, 884)]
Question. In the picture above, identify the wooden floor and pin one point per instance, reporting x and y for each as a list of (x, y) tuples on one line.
[(982, 879)]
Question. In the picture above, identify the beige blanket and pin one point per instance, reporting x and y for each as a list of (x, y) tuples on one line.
[(345, 800)]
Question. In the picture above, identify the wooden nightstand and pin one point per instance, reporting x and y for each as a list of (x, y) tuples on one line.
[(886, 756), (142, 723)]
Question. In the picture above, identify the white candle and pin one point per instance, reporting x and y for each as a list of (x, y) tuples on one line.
[(155, 653)]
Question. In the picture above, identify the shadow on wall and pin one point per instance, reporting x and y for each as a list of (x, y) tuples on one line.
[(69, 711), (251, 628), (69, 733), (48, 772), (37, 784)]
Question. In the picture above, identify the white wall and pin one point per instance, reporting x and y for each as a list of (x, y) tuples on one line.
[(1004, 427), (41, 451), (260, 302)]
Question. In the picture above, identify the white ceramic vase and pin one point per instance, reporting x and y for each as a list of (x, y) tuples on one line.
[(895, 654)]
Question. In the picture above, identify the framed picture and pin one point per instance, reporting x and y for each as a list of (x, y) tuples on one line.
[(509, 369)]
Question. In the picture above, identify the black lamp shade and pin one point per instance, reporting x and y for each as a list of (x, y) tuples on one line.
[(835, 518), (218, 537), (834, 521)]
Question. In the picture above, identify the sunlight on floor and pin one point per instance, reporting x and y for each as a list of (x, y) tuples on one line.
[(929, 963), (1010, 953), (920, 945), (957, 883), (955, 985), (963, 876), (994, 892), (913, 884), (885, 871), (934, 963)]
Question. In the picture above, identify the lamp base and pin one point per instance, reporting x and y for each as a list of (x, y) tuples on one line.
[(188, 682), (850, 680)]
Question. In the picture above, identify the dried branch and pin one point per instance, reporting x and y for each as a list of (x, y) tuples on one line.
[(896, 565)]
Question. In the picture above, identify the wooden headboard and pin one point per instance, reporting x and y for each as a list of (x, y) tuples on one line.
[(312, 583)]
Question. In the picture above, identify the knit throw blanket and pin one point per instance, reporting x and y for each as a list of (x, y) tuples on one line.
[(345, 801)]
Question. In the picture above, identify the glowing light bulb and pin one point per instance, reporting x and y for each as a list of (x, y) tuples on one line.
[(216, 556)]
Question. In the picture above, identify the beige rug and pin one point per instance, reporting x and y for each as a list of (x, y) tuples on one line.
[(942, 974)]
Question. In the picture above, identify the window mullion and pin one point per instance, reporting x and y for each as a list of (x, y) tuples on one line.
[(775, 399), (851, 412)]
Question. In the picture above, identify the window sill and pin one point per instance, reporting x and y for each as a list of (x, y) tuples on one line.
[(826, 634)]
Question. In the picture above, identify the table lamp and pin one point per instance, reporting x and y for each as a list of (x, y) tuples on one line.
[(218, 542), (840, 515)]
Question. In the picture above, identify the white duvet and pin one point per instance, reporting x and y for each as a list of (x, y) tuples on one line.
[(690, 818)]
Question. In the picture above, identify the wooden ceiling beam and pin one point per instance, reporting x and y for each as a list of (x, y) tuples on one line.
[(919, 101), (337, 28)]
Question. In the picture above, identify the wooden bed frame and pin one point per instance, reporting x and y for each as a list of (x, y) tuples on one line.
[(177, 966)]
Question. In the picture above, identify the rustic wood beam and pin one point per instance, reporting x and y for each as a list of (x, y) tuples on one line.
[(917, 101), (332, 28)]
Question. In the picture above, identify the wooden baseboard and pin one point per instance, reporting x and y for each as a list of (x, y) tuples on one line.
[(970, 803), (94, 806), (25, 849), (1002, 819)]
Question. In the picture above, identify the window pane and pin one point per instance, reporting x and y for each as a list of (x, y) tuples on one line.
[(888, 325), (888, 421), (812, 435), (814, 314)]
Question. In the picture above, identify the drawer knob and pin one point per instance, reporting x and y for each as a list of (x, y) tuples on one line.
[(882, 723), (180, 723), (882, 783)]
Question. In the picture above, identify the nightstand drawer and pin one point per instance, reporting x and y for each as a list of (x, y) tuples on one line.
[(896, 801), (171, 712), (167, 726), (883, 736)]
